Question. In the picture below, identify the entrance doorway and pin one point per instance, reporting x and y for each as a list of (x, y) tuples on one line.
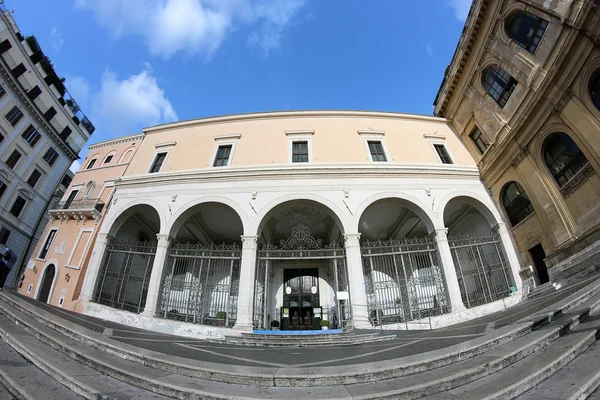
[(300, 298), (538, 255), (47, 283)]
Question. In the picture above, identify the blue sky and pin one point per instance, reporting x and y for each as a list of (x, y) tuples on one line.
[(137, 63)]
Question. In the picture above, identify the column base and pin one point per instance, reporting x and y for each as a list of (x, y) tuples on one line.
[(458, 308), (148, 313), (243, 328)]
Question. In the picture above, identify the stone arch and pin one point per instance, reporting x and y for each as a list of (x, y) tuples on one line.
[(125, 154), (589, 73), (481, 205), (114, 222), (110, 153), (479, 77)]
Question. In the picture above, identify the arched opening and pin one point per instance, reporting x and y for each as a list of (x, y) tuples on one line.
[(301, 280), (403, 276), (499, 84), (47, 281), (594, 89), (563, 157), (482, 268), (201, 277), (127, 264), (515, 202), (526, 30)]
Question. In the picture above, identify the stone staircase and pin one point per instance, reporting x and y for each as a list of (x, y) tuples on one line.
[(513, 361), (316, 340)]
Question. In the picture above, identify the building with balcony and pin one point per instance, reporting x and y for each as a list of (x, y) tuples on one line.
[(41, 133), (290, 219), (523, 92), (55, 270)]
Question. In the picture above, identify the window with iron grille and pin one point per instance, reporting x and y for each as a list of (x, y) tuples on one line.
[(18, 206), (47, 244), (158, 162), (13, 159), (376, 149), (2, 188), (499, 84), (4, 235), (480, 140), (222, 157), (14, 116), (443, 154), (50, 156), (300, 151), (526, 29), (34, 178), (31, 135), (516, 203), (563, 157)]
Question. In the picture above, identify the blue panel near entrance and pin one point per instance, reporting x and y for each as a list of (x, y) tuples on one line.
[(321, 332)]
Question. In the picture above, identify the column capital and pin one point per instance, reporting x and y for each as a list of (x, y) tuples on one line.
[(102, 238), (441, 233), (163, 240), (499, 226), (352, 240), (249, 242)]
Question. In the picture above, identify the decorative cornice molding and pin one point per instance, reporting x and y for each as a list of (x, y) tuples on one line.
[(165, 145), (234, 136), (300, 132), (114, 142), (370, 132)]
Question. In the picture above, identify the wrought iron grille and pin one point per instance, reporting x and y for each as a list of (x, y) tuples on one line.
[(403, 280), (481, 267), (125, 274), (201, 284)]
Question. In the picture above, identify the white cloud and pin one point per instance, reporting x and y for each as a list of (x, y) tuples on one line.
[(461, 8), (55, 39), (429, 50), (75, 166), (193, 26), (79, 88), (123, 107)]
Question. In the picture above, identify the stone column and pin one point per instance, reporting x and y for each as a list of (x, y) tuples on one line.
[(93, 268), (160, 258), (245, 304), (511, 255), (356, 281), (441, 236)]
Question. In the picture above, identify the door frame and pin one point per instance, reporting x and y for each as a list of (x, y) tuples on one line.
[(54, 262)]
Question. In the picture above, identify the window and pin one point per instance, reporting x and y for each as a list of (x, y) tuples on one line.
[(34, 92), (480, 140), (34, 178), (19, 70), (31, 136), (158, 162), (595, 90), (66, 132), (50, 156), (2, 188), (18, 206), (13, 159), (66, 180), (1, 137), (2, 91), (563, 158), (70, 199), (108, 159), (526, 30), (443, 154), (91, 164), (499, 84), (376, 149), (4, 235), (14, 115), (300, 152), (516, 203), (50, 113), (47, 244), (5, 46), (222, 157), (89, 189)]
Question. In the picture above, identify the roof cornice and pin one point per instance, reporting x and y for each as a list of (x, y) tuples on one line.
[(116, 141)]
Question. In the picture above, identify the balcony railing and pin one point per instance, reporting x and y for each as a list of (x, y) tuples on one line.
[(82, 204), (79, 210)]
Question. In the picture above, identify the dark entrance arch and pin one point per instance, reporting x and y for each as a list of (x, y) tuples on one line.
[(47, 281)]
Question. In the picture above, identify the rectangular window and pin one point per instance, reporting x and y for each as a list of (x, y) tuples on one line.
[(64, 135), (300, 152), (13, 159), (19, 70), (443, 153), (70, 199), (50, 113), (66, 180), (91, 164), (18, 206), (34, 92), (34, 178), (50, 156), (158, 162), (108, 159), (2, 91), (4, 235), (222, 158), (2, 188), (47, 244), (14, 116), (31, 135), (480, 140), (5, 46), (1, 137), (377, 152)]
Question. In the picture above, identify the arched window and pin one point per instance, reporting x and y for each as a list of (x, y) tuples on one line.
[(499, 84), (89, 189), (563, 157), (595, 89), (526, 30), (516, 203)]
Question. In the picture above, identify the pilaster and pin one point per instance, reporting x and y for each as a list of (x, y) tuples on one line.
[(356, 280), (441, 237), (160, 257), (245, 304), (89, 283)]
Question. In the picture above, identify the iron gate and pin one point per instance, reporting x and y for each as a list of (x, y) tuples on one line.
[(201, 283), (301, 246), (481, 267), (403, 280), (125, 274)]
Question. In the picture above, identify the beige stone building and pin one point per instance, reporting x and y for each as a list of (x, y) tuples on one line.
[(523, 93), (56, 269)]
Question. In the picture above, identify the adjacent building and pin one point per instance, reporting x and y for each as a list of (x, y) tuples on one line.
[(55, 271), (523, 93), (41, 132)]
